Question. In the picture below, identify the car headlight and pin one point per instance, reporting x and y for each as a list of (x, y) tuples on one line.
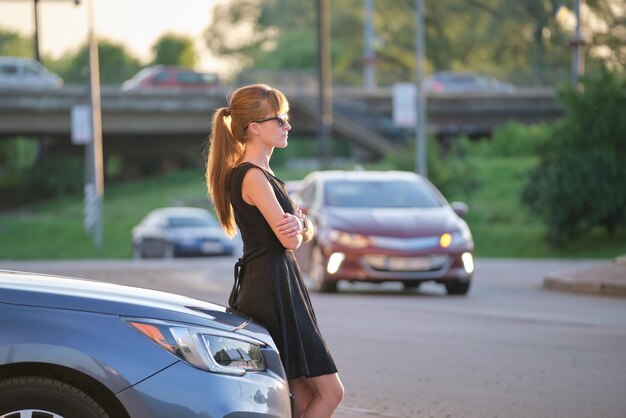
[(349, 240), (455, 239), (205, 348)]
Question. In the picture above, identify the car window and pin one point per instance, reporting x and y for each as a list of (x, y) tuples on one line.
[(210, 78), (161, 77), (380, 194), (8, 69), (189, 221), (462, 78), (188, 77), (32, 69)]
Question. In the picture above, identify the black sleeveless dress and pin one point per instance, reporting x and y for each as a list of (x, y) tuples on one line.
[(269, 286)]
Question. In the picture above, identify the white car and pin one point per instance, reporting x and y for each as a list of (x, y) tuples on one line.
[(179, 231), (26, 72)]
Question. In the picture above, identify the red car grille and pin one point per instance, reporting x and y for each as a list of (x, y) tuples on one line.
[(416, 264)]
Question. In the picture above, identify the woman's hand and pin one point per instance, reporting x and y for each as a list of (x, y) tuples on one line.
[(257, 191), (290, 225), (295, 226)]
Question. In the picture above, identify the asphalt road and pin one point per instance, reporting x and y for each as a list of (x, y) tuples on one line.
[(509, 349)]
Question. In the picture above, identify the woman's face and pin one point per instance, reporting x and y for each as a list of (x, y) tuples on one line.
[(273, 130)]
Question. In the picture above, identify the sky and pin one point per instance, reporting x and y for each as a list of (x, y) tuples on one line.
[(135, 23)]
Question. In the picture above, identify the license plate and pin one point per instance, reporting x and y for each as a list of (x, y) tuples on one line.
[(408, 263), (212, 247)]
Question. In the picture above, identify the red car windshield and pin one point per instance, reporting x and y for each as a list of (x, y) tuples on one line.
[(380, 194)]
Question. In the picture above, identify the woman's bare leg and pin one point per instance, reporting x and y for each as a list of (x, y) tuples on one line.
[(302, 392), (327, 392)]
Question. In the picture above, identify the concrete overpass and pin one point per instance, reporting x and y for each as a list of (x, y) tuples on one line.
[(176, 124)]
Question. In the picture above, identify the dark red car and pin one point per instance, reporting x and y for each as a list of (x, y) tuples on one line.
[(170, 77), (383, 226)]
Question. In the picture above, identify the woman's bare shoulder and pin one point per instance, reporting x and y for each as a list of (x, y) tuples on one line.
[(256, 186)]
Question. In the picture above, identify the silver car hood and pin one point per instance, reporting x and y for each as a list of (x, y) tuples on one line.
[(34, 289)]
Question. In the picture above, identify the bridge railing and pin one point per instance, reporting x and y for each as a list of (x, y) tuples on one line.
[(361, 116)]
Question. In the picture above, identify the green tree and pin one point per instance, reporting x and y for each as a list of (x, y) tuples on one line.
[(14, 44), (521, 41), (580, 182), (116, 64), (171, 49), (608, 44), (274, 45)]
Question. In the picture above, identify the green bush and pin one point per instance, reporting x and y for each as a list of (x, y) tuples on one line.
[(17, 153), (24, 179), (515, 139), (580, 182), (448, 171), (510, 140)]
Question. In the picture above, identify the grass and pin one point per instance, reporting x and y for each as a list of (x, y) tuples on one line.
[(54, 229), (501, 225)]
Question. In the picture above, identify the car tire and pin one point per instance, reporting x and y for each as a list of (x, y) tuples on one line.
[(458, 287), (168, 250), (47, 398), (137, 252), (316, 272), (329, 286), (410, 285)]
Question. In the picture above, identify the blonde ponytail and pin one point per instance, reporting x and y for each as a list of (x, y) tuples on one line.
[(224, 152)]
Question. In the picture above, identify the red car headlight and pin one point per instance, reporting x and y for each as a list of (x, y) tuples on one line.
[(349, 240)]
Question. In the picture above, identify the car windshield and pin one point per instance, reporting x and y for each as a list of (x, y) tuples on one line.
[(189, 222), (380, 194), (189, 77)]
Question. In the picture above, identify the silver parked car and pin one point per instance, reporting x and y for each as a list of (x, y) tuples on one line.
[(179, 231), (22, 72), (72, 348)]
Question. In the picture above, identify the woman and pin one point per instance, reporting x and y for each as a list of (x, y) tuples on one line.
[(268, 283)]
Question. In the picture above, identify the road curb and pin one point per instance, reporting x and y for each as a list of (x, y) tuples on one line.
[(604, 279)]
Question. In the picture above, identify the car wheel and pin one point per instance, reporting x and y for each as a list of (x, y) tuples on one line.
[(458, 287), (45, 398), (317, 272), (411, 285), (168, 250), (329, 286), (137, 254)]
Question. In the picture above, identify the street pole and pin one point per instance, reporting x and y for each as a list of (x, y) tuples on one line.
[(36, 37), (96, 179), (325, 93), (420, 129), (578, 55), (369, 58)]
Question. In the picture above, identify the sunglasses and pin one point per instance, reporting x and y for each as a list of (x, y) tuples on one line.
[(281, 119)]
